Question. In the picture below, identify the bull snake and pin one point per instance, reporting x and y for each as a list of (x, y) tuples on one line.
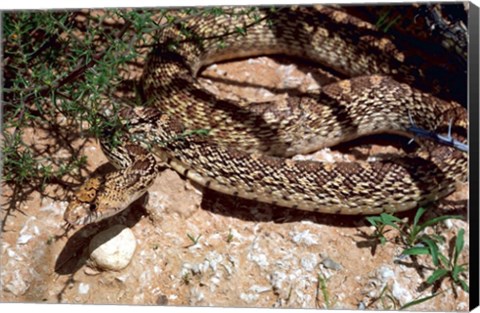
[(242, 149)]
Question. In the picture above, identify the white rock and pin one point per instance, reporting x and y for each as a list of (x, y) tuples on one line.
[(309, 262), (83, 288), (260, 259), (448, 224), (215, 281), (304, 237), (462, 306), (249, 297), (214, 259), (400, 293), (28, 231), (265, 93), (23, 239), (329, 263), (113, 248), (260, 289), (277, 279), (15, 256), (196, 296), (313, 85), (220, 72), (122, 278), (386, 273), (18, 284)]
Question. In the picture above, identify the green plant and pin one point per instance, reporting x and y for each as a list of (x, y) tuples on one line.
[(229, 236), (322, 286), (53, 72), (418, 301), (389, 302), (380, 222), (417, 242), (386, 298), (65, 78), (70, 64), (414, 234), (409, 234), (385, 21), (194, 239), (186, 279), (446, 267)]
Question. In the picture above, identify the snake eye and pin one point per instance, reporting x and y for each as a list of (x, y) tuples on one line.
[(93, 207)]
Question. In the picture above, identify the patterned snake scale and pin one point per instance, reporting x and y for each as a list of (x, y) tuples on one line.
[(242, 149)]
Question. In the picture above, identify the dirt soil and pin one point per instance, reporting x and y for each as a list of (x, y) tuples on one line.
[(246, 254)]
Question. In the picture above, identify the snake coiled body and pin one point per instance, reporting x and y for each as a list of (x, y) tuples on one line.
[(246, 150)]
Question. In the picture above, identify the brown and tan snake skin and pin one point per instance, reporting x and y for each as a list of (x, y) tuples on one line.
[(243, 149)]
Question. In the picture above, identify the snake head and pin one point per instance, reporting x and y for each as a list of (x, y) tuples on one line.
[(82, 209), (80, 213)]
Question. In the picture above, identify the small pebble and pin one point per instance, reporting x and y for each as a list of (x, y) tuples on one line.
[(308, 262), (386, 273), (260, 289), (221, 72), (23, 239), (83, 288), (249, 297), (400, 293), (448, 224), (329, 263), (162, 300), (362, 306)]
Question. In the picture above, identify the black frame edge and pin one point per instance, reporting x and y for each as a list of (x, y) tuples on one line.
[(473, 141)]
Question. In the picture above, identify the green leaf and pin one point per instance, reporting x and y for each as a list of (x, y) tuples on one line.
[(418, 301), (391, 23), (390, 220), (383, 240), (464, 286), (459, 243), (433, 248), (418, 215), (443, 259), (416, 251), (437, 274), (322, 285), (456, 271), (241, 30), (193, 239), (437, 238), (373, 220), (381, 19), (436, 220)]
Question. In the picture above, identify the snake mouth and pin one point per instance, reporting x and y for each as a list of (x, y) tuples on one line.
[(80, 213)]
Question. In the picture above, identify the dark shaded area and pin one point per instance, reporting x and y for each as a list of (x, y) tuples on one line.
[(433, 33), (474, 171), (75, 253)]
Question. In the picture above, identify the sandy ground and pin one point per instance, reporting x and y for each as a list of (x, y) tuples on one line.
[(247, 254)]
